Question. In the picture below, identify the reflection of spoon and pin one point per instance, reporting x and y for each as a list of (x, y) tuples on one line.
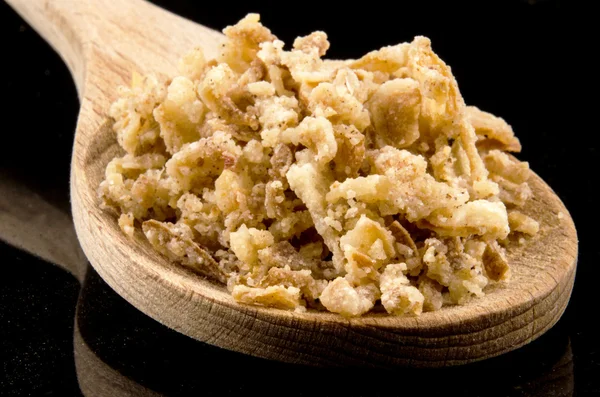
[(103, 41), (98, 379), (35, 225), (120, 351)]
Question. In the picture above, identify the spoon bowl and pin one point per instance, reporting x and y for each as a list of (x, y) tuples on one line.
[(103, 42)]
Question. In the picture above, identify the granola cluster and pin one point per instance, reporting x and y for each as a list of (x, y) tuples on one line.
[(301, 182)]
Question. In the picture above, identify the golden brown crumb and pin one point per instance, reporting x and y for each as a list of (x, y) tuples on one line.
[(395, 108), (432, 294), (273, 296), (495, 263), (520, 222), (340, 297), (303, 182), (492, 131), (126, 224), (397, 295)]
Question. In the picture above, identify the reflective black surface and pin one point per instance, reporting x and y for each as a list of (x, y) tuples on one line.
[(63, 337)]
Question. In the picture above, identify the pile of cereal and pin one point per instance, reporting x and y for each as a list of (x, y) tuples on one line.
[(299, 182)]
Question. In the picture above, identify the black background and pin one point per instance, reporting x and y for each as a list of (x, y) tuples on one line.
[(528, 62)]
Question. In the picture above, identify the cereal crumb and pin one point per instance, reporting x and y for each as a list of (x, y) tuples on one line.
[(520, 222), (304, 183), (126, 224)]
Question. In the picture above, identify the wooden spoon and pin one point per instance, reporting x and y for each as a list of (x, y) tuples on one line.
[(103, 42)]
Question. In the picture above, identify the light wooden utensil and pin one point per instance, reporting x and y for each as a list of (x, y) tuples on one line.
[(103, 42)]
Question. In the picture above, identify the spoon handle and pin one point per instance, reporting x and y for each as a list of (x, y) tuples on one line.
[(72, 27), (122, 35)]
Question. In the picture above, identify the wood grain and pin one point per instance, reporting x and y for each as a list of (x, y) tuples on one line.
[(103, 42)]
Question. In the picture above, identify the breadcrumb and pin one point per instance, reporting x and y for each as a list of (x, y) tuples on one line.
[(307, 183)]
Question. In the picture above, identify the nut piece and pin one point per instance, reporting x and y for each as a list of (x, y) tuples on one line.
[(520, 222), (175, 242), (402, 235), (395, 108), (274, 296), (494, 260), (492, 132)]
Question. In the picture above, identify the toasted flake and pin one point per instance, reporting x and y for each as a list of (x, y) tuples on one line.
[(520, 222), (281, 161), (492, 132), (387, 59), (275, 296), (479, 217), (402, 235), (502, 164), (494, 261), (441, 101), (175, 242)]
